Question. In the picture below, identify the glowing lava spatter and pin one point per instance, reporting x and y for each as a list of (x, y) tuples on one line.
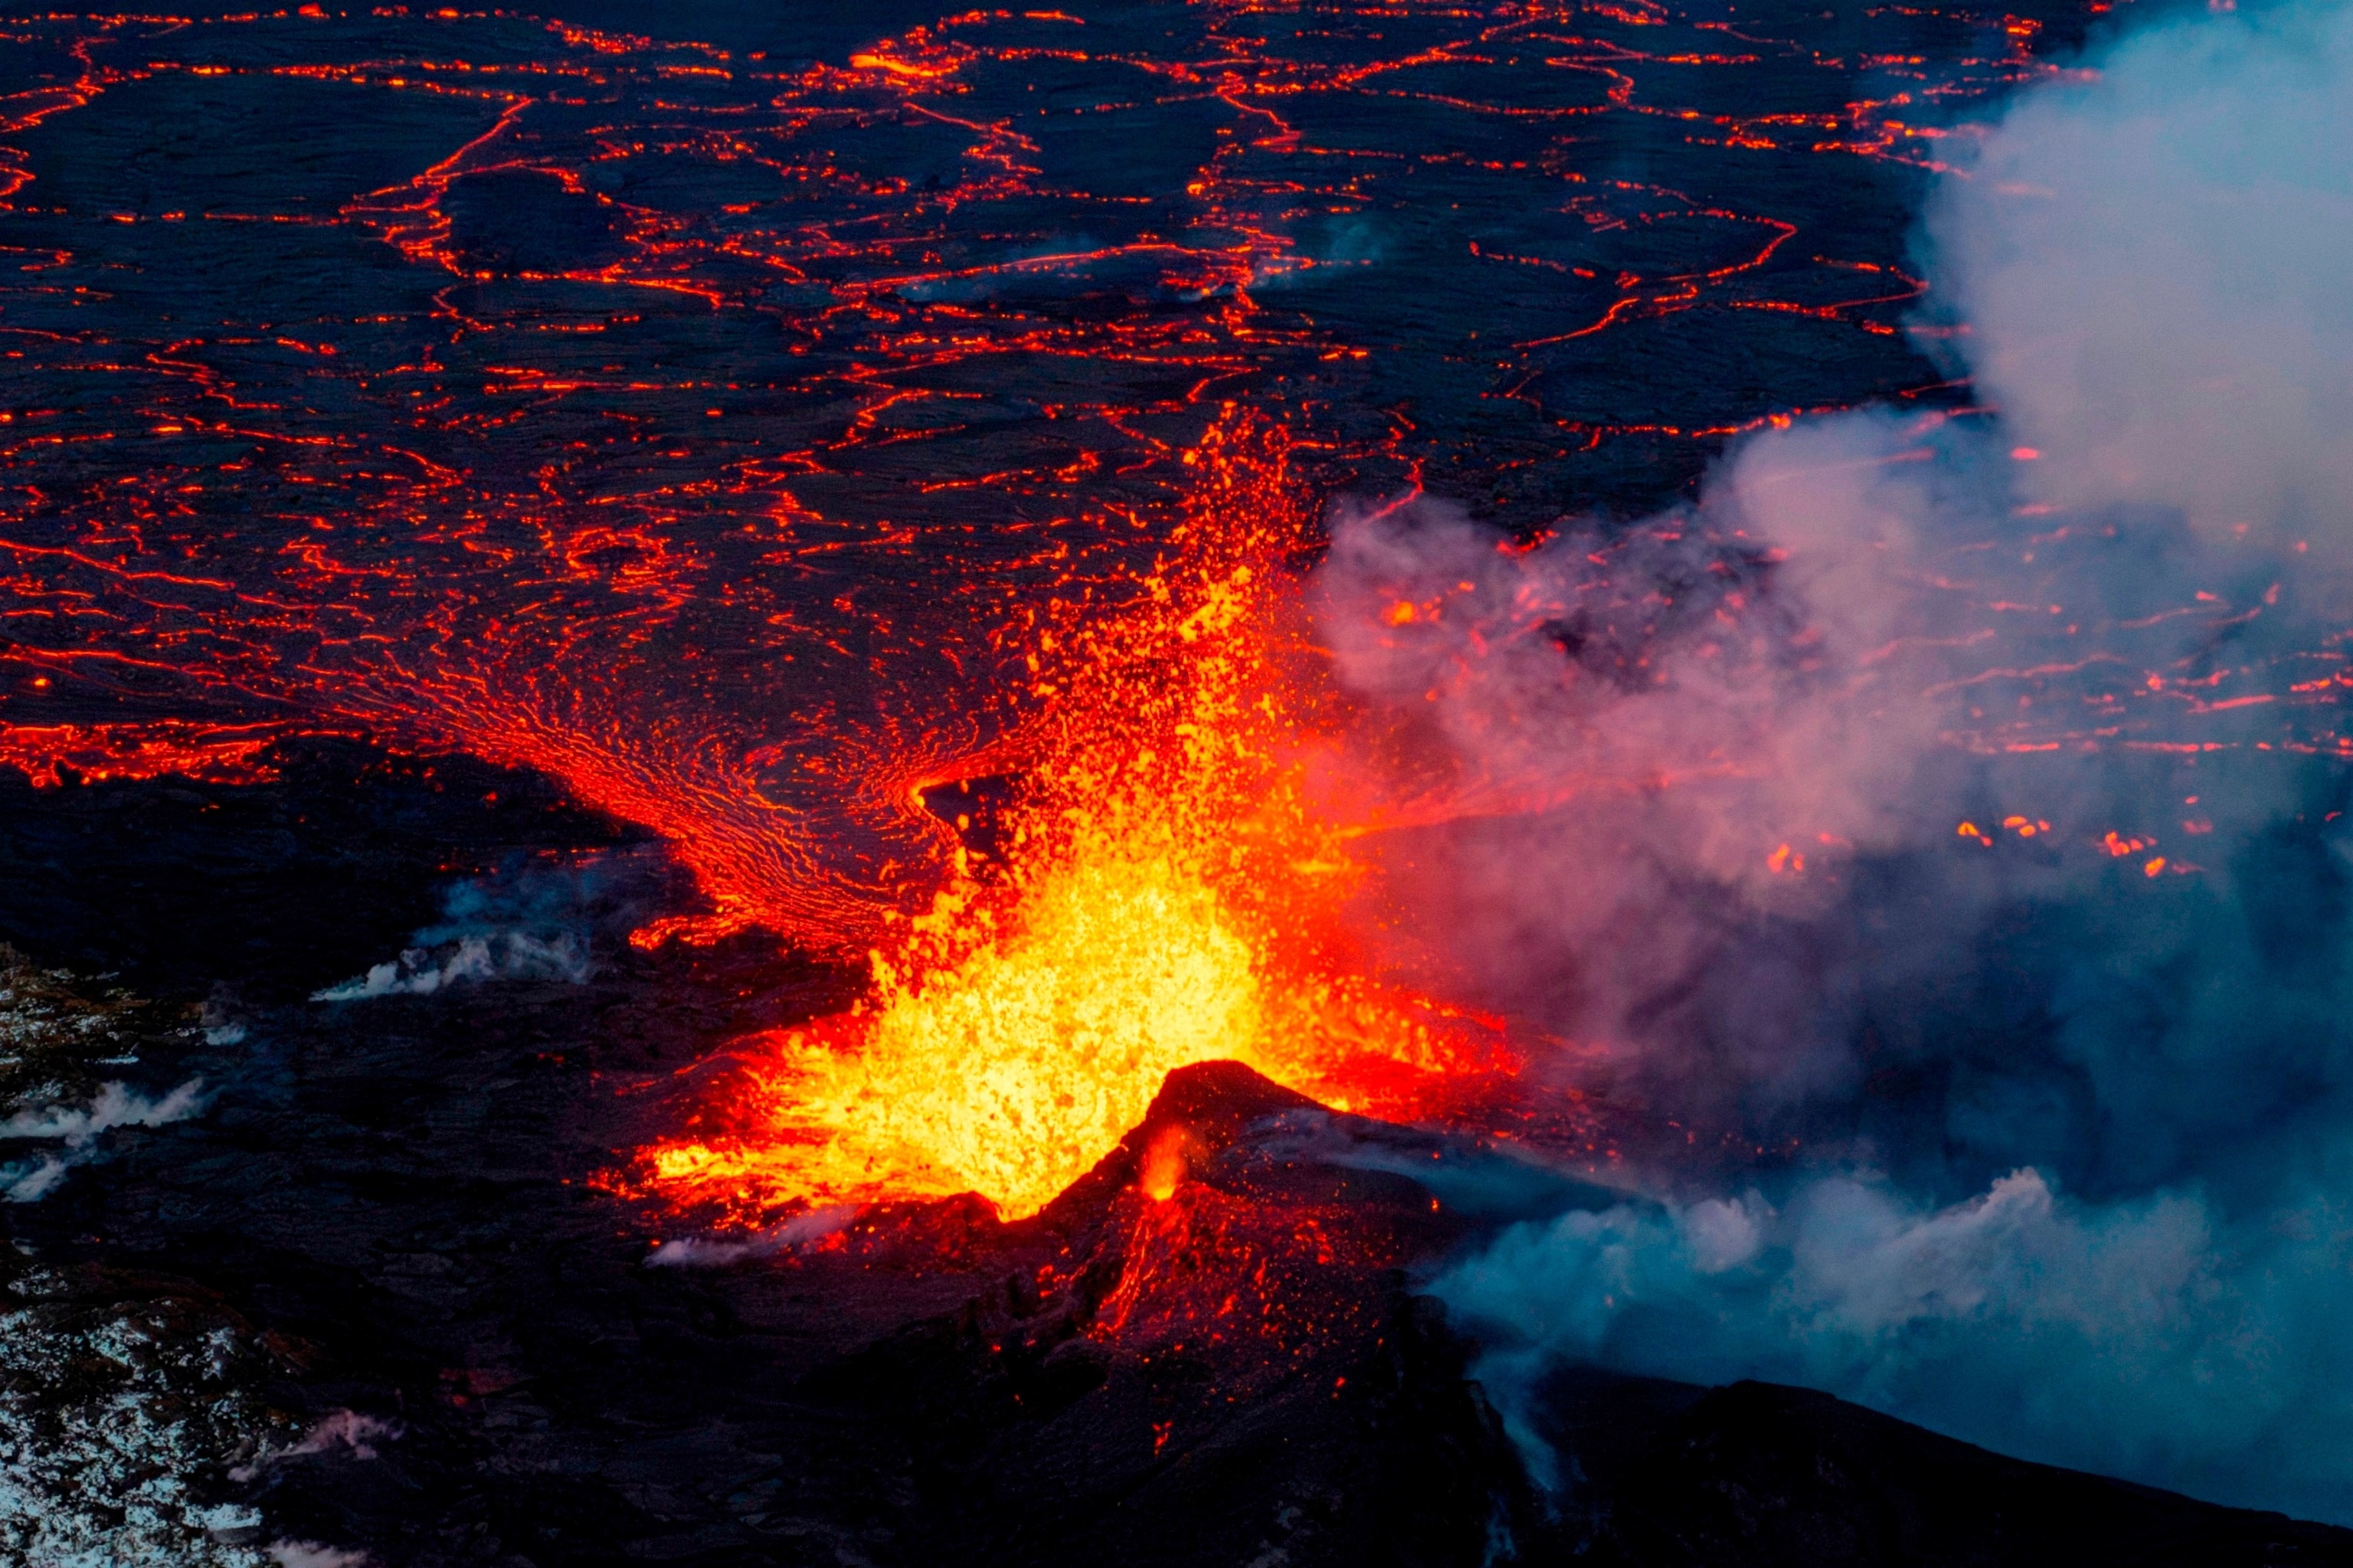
[(1167, 896)]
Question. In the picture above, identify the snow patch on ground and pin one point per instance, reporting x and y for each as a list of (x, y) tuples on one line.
[(127, 1418), (111, 1417)]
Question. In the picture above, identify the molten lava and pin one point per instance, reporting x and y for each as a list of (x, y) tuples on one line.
[(1169, 897), (680, 421)]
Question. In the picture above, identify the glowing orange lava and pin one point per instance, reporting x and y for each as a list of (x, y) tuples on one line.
[(1167, 896), (440, 474), (47, 754)]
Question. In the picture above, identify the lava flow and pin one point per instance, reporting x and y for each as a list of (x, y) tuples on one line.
[(1166, 893), (673, 420)]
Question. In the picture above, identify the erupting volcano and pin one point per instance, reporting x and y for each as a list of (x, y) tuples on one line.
[(1186, 782), (1161, 889)]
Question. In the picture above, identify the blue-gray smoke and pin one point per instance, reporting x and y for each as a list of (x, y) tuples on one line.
[(525, 922), (1952, 810)]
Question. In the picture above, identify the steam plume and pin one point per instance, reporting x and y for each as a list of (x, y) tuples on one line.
[(538, 923), (1951, 804), (79, 1128)]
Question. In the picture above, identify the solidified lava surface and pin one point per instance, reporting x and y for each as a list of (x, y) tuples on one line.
[(689, 416), (477, 486)]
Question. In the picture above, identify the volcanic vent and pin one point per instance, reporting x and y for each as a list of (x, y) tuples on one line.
[(861, 789)]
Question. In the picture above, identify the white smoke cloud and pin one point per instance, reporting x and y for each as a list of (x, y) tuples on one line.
[(533, 922), (1691, 789), (79, 1127), (1599, 726), (312, 1554), (2151, 262), (338, 1431), (113, 1106), (2129, 1338), (1749, 656), (509, 955), (710, 1252)]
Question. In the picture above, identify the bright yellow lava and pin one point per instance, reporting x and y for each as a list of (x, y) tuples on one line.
[(1014, 1073), (1161, 906)]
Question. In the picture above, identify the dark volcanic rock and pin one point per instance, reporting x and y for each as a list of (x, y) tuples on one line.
[(1764, 1476), (1235, 1372), (440, 1340), (177, 884)]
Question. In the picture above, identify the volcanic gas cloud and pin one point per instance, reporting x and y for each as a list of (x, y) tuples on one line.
[(2002, 880), (1938, 827)]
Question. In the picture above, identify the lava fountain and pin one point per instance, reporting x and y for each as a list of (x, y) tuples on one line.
[(1166, 890)]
